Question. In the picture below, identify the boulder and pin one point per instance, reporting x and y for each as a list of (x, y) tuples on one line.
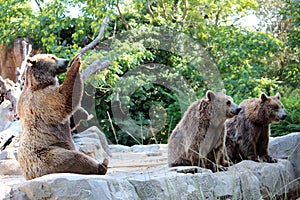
[(92, 142), (9, 164), (10, 167), (287, 147), (246, 180), (118, 148), (5, 107)]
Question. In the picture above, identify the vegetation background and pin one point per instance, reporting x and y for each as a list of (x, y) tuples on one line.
[(251, 58)]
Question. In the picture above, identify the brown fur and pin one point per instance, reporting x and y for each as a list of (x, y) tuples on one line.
[(248, 133), (44, 109), (198, 139)]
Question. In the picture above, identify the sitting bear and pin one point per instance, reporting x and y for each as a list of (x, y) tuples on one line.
[(248, 133), (198, 139), (44, 108)]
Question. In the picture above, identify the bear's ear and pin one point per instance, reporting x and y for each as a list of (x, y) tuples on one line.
[(277, 95), (224, 91), (210, 95), (263, 97), (31, 60)]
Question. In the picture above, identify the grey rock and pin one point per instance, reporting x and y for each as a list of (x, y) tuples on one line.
[(9, 153), (13, 129), (287, 147), (4, 111), (64, 186), (92, 142), (145, 148), (274, 178), (10, 167), (118, 148), (245, 180)]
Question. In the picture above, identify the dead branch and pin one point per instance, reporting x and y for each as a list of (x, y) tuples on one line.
[(26, 53), (3, 88), (149, 9), (97, 39), (94, 67), (185, 10), (6, 87), (122, 17), (164, 9)]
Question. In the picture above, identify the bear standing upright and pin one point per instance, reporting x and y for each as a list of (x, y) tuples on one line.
[(44, 109), (198, 139), (248, 133)]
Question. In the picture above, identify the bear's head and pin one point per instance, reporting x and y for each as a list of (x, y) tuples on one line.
[(223, 106), (271, 108), (42, 70)]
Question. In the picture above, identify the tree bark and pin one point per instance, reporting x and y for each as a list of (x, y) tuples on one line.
[(11, 57)]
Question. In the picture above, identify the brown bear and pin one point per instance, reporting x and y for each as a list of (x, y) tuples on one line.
[(198, 139), (44, 109), (248, 132)]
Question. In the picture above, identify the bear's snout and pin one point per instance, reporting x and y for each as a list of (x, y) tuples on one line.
[(62, 62), (62, 65), (282, 115), (236, 110)]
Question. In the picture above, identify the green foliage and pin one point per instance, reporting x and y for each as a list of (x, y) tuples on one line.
[(291, 100), (155, 72), (150, 93), (242, 64)]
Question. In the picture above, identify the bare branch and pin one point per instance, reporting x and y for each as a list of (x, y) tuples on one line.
[(164, 9), (3, 88), (122, 17), (218, 15), (39, 5), (94, 67), (6, 91), (26, 53), (149, 9), (185, 10), (97, 39)]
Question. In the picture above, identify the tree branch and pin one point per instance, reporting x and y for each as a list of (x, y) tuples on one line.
[(6, 91), (122, 17), (185, 10), (26, 53), (94, 67), (218, 16), (164, 9), (97, 39), (149, 9), (39, 5)]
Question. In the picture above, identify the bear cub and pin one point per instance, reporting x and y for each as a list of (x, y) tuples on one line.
[(199, 137), (248, 132)]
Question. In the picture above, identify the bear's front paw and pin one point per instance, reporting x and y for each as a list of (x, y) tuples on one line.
[(76, 62), (269, 159), (222, 168), (103, 167), (254, 158)]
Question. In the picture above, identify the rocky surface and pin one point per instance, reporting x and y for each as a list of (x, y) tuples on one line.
[(141, 172), (287, 147)]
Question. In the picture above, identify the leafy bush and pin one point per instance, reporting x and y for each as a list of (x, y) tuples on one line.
[(291, 101)]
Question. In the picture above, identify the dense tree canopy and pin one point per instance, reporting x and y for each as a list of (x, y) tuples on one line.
[(167, 53)]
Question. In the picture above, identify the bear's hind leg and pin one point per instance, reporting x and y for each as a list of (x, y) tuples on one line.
[(180, 162), (70, 161)]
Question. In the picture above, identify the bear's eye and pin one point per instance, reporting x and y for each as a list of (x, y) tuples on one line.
[(276, 107), (228, 103)]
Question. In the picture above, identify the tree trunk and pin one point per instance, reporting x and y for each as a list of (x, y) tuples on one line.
[(11, 57)]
